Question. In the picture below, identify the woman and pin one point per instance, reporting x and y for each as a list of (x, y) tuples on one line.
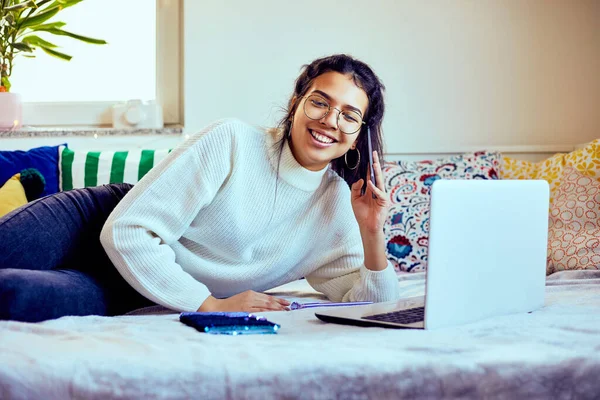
[(232, 212)]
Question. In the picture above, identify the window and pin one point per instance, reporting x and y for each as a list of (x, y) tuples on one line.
[(140, 61)]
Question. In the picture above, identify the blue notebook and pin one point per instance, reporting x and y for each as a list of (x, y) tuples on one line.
[(229, 323)]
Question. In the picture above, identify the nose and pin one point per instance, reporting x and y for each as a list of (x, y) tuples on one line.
[(331, 119)]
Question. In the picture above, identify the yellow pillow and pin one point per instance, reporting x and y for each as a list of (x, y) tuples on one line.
[(585, 160), (12, 195)]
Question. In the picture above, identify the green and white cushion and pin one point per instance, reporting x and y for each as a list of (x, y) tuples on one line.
[(80, 168)]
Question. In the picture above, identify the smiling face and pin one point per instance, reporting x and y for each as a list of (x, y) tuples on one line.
[(316, 142)]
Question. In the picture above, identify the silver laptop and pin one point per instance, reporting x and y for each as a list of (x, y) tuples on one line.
[(486, 257)]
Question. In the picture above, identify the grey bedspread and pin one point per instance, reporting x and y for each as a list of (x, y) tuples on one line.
[(552, 353)]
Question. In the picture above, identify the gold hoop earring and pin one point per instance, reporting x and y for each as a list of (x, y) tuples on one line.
[(357, 161)]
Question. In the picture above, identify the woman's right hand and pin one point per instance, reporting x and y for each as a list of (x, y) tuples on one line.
[(248, 301)]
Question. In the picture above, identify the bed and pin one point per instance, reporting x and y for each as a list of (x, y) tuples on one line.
[(551, 353)]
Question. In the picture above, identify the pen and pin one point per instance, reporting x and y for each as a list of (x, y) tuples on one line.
[(297, 306)]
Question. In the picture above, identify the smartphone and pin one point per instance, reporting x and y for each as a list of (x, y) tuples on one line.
[(371, 169)]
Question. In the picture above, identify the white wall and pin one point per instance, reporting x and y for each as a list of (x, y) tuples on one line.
[(513, 75)]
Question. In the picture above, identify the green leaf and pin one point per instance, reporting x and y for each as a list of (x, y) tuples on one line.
[(38, 41), (60, 32), (56, 54), (37, 19), (22, 47), (48, 26), (61, 4)]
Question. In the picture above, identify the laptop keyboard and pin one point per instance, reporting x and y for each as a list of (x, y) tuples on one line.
[(408, 316)]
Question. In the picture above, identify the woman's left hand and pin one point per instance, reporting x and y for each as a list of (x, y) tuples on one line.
[(371, 212)]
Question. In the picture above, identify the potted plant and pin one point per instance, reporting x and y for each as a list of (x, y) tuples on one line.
[(21, 23)]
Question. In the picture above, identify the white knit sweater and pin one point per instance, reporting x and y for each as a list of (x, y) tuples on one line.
[(205, 221)]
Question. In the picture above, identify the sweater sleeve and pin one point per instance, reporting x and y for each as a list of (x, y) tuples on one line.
[(342, 275), (159, 208), (345, 278)]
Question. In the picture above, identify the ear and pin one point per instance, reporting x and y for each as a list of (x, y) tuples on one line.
[(293, 102), (354, 145)]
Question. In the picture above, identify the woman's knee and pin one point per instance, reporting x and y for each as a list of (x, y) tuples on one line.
[(60, 229)]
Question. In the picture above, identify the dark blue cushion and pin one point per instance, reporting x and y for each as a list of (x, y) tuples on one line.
[(44, 159)]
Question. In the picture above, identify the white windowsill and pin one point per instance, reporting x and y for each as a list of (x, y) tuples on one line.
[(28, 132), (92, 138)]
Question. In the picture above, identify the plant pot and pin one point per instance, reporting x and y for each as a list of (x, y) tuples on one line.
[(11, 111)]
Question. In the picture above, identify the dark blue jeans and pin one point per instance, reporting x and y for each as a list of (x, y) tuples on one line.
[(52, 263)]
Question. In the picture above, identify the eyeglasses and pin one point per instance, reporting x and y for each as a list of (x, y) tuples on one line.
[(316, 108)]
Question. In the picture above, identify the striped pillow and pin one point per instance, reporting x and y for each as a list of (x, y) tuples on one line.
[(80, 169)]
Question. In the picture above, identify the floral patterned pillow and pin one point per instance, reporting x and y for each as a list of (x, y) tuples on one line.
[(574, 227), (409, 186)]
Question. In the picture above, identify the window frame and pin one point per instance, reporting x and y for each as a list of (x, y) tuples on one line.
[(168, 82)]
